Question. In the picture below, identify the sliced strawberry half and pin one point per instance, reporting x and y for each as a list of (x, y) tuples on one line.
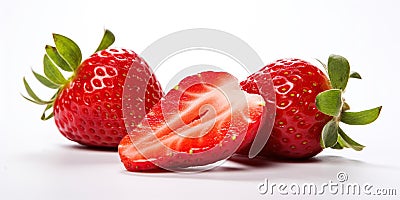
[(202, 120)]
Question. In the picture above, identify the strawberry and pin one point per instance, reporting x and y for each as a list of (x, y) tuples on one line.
[(200, 121), (309, 107), (88, 105)]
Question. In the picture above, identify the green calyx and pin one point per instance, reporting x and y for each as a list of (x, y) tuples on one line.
[(65, 57), (331, 102)]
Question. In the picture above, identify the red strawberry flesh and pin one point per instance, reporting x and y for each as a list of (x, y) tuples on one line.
[(201, 121)]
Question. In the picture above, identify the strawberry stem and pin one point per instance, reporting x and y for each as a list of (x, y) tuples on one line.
[(108, 40), (65, 56), (331, 103)]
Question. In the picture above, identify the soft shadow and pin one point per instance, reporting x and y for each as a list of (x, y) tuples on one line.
[(267, 161), (240, 168), (254, 162), (338, 160), (64, 156), (90, 148)]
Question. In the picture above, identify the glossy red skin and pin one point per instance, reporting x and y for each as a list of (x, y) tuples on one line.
[(238, 116), (298, 123), (88, 110)]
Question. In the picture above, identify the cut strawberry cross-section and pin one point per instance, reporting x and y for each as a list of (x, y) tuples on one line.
[(202, 120)]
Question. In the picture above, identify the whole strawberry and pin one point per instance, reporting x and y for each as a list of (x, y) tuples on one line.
[(88, 105), (309, 107)]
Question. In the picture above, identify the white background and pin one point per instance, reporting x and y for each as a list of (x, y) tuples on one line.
[(36, 162)]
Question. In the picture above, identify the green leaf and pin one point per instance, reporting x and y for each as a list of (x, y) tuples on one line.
[(69, 50), (355, 75), (346, 141), (339, 71), (35, 98), (329, 135), (52, 72), (108, 40), (57, 59), (341, 142), (362, 117), (330, 102), (45, 81), (33, 101), (44, 117), (337, 145)]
